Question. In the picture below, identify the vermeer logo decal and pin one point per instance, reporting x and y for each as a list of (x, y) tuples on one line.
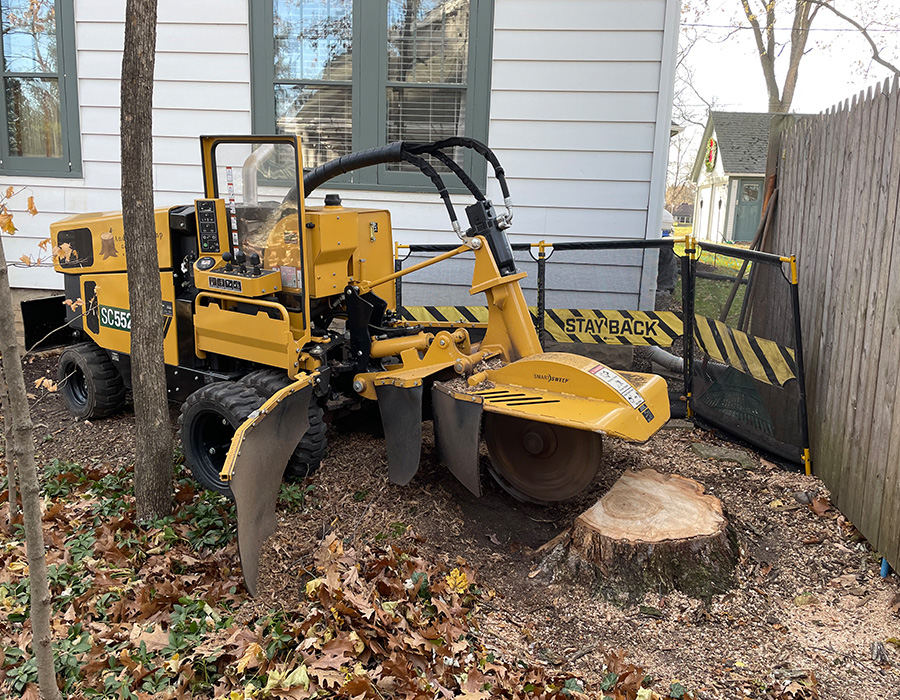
[(225, 283)]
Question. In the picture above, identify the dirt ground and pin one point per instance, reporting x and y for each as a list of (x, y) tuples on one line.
[(809, 597)]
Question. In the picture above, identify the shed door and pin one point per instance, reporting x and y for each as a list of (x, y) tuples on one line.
[(748, 209)]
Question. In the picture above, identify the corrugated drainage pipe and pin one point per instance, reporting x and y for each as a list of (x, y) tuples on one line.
[(667, 360)]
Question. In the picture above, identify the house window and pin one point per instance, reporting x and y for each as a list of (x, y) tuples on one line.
[(347, 75), (38, 98)]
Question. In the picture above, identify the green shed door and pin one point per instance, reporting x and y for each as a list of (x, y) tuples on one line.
[(748, 209)]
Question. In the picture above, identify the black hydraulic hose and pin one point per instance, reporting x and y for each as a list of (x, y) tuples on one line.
[(395, 152), (390, 153), (473, 144), (436, 179), (460, 173)]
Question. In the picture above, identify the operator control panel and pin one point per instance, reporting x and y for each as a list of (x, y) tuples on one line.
[(236, 275), (208, 225)]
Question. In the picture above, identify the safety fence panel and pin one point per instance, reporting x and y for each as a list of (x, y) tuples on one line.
[(745, 378), (554, 265), (742, 361)]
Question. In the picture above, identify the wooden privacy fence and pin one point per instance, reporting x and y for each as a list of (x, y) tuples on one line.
[(839, 181)]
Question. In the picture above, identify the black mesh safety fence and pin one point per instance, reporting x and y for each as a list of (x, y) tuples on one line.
[(729, 315), (746, 366)]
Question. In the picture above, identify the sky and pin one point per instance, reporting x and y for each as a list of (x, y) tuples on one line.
[(837, 65), (727, 71)]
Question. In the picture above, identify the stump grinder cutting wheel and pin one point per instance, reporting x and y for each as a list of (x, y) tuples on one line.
[(277, 314)]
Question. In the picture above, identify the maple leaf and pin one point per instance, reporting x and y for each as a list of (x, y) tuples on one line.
[(31, 208), (457, 581), (252, 658), (10, 191), (6, 223), (44, 244), (26, 259)]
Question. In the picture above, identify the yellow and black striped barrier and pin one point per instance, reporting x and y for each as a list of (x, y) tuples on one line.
[(613, 327), (567, 325), (764, 360)]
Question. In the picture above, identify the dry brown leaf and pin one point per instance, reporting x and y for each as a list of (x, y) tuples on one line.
[(820, 506), (252, 658), (6, 223), (32, 692), (31, 208), (154, 640), (895, 604)]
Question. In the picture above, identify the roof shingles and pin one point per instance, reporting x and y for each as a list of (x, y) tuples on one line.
[(743, 139)]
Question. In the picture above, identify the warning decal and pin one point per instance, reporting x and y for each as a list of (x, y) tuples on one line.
[(614, 327)]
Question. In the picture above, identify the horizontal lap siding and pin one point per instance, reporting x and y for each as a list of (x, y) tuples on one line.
[(202, 85), (575, 104)]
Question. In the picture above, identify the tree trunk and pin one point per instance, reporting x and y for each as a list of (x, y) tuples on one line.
[(656, 532), (8, 446), (153, 461), (18, 413)]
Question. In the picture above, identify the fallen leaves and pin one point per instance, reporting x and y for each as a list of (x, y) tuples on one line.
[(157, 607), (820, 506)]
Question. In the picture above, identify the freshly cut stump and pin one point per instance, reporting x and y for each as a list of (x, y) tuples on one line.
[(656, 532)]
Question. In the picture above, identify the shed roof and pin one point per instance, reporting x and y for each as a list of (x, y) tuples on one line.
[(742, 139)]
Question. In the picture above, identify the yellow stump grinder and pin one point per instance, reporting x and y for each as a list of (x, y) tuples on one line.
[(277, 314)]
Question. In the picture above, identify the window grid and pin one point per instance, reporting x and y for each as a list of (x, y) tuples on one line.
[(446, 93)]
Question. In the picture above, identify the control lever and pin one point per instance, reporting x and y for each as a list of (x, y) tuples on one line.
[(240, 259), (254, 260), (226, 256)]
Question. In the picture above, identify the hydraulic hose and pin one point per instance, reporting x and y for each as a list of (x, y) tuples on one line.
[(461, 174), (400, 151), (390, 153)]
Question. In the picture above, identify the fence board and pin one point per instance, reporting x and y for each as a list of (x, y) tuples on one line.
[(861, 247), (872, 313), (839, 211), (884, 405)]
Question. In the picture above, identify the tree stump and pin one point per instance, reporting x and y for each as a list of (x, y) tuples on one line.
[(656, 532)]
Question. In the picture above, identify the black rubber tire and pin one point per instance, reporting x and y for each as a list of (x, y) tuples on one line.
[(311, 450), (89, 382), (209, 418)]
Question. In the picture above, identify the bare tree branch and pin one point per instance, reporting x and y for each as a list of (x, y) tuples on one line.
[(876, 55)]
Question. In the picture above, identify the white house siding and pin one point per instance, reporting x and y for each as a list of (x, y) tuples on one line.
[(579, 116), (580, 111)]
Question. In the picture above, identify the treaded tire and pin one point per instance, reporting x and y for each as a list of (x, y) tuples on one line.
[(89, 382), (209, 418), (311, 450)]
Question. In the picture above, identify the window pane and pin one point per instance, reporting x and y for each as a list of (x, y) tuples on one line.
[(428, 41), (313, 39), (32, 116), (425, 114), (29, 36), (321, 116)]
